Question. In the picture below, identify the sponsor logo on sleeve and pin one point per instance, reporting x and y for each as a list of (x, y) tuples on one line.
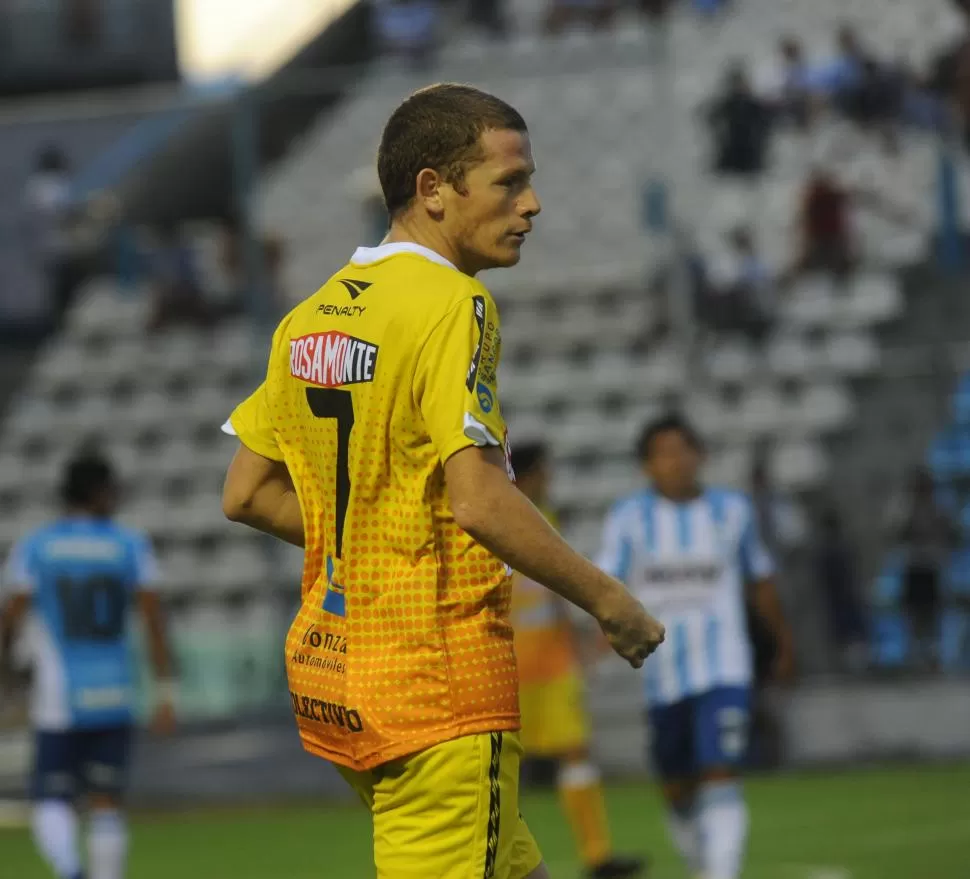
[(479, 303), (332, 359), (485, 398), (490, 350)]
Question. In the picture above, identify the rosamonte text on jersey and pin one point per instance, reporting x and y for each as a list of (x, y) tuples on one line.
[(332, 359)]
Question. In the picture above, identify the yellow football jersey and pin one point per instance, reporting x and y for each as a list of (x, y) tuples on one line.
[(403, 639)]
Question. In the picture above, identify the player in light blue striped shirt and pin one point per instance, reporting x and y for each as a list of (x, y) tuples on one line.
[(693, 555)]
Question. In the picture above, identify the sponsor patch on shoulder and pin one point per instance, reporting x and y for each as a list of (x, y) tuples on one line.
[(485, 398), (479, 303)]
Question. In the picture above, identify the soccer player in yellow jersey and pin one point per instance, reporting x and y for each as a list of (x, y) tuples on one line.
[(377, 443), (555, 724)]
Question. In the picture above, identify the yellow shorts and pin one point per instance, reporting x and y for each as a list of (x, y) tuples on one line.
[(554, 720), (450, 812)]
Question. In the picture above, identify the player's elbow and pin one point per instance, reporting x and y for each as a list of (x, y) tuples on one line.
[(237, 503), (466, 516), (476, 516), (234, 510)]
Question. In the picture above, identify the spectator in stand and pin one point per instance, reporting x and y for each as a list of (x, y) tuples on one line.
[(945, 70), (235, 281), (804, 85), (781, 521), (82, 23), (741, 125), (853, 82), (685, 275), (835, 572), (488, 15), (564, 14), (274, 260), (712, 7), (408, 29), (46, 206), (865, 89), (949, 79), (25, 312), (792, 93), (178, 294), (845, 71), (655, 11), (925, 536), (960, 95), (828, 244), (944, 76), (742, 289)]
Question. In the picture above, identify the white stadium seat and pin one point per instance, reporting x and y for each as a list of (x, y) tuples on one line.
[(582, 365)]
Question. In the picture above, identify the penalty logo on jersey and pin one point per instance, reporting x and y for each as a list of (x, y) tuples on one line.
[(332, 359)]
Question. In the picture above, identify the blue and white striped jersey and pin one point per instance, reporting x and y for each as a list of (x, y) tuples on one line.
[(81, 575), (688, 564)]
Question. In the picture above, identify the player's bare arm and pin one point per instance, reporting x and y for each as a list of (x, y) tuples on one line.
[(491, 509), (151, 611), (764, 595), (259, 492)]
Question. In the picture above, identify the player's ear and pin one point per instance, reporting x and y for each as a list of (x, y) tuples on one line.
[(429, 191)]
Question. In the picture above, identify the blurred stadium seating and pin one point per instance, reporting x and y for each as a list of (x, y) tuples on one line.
[(575, 311), (608, 112), (853, 385)]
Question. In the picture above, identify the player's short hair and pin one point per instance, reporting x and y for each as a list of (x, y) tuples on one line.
[(438, 127), (673, 421), (85, 476), (527, 457)]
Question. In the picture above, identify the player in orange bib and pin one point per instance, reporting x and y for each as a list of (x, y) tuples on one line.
[(555, 723), (377, 443)]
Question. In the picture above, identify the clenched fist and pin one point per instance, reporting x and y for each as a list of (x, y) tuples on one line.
[(631, 631)]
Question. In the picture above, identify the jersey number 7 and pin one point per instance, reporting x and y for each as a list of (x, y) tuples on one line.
[(338, 404)]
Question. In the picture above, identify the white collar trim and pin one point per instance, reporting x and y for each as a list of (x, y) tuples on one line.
[(366, 255)]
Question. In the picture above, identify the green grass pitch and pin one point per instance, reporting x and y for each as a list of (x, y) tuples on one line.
[(898, 823)]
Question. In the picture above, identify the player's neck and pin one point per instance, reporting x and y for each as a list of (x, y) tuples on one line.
[(408, 230), (84, 513), (684, 495)]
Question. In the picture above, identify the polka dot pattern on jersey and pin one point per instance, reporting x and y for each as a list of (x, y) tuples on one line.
[(402, 640)]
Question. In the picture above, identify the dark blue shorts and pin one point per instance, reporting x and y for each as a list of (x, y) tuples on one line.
[(81, 761), (702, 732)]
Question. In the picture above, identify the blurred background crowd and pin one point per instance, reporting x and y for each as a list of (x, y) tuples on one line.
[(754, 213)]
